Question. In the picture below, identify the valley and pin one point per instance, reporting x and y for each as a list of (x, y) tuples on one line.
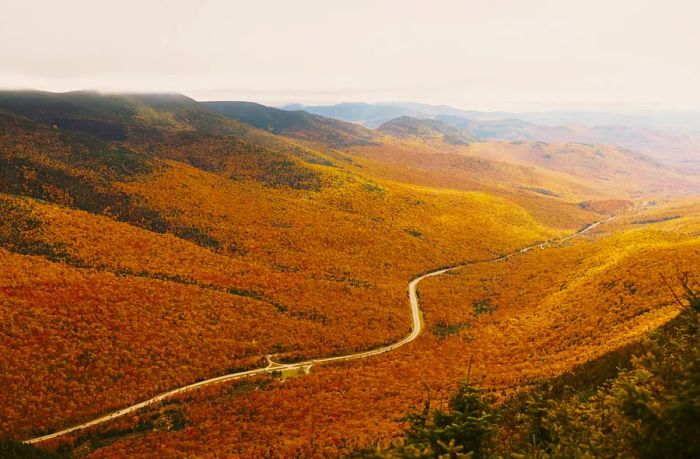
[(367, 230), (306, 366), (182, 278)]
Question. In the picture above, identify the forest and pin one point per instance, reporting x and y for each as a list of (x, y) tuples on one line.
[(150, 242), (627, 403), (276, 415), (392, 229)]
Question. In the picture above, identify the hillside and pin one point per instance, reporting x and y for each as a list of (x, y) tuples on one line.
[(374, 115), (451, 155), (630, 173), (516, 335), (672, 138), (406, 127), (297, 124), (671, 148), (113, 116), (172, 127), (560, 172), (151, 242), (501, 129), (236, 258), (584, 412), (634, 400), (368, 115)]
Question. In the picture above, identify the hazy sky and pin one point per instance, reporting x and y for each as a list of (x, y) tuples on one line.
[(481, 54)]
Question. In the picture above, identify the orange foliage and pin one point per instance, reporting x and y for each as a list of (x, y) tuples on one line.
[(603, 294), (608, 206), (178, 312), (235, 243)]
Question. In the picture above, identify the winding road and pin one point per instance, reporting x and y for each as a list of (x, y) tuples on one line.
[(307, 364)]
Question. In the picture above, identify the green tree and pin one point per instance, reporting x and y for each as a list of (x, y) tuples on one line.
[(463, 430)]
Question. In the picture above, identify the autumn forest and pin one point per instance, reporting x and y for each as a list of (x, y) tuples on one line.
[(154, 244)]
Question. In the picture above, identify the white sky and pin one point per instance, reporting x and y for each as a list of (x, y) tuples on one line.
[(478, 54)]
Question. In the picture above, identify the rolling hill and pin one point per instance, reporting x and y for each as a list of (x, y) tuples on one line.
[(632, 174), (297, 124), (210, 232), (607, 169), (671, 148), (169, 127), (406, 127), (509, 325), (672, 138), (369, 115), (151, 241)]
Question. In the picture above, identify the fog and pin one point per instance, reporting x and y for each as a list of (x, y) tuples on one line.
[(478, 54)]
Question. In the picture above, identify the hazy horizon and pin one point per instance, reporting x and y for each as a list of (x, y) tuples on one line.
[(477, 55), (622, 111)]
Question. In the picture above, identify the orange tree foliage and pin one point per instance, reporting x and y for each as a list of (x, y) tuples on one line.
[(608, 206), (292, 250), (537, 322), (544, 193), (616, 170), (174, 312)]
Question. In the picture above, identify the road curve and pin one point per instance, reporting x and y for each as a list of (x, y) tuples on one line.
[(306, 364)]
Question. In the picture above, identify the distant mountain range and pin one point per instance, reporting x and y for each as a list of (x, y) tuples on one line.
[(665, 146), (373, 115), (368, 115), (670, 137)]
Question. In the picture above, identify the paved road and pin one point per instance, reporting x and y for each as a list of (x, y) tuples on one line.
[(306, 365)]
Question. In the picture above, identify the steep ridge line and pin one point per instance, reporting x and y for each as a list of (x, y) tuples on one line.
[(307, 364)]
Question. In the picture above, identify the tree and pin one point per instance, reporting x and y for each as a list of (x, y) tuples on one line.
[(463, 430)]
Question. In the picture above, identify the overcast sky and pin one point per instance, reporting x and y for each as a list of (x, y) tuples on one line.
[(480, 54)]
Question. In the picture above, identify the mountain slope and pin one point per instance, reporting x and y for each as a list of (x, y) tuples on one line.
[(446, 110), (172, 126), (297, 124), (673, 138), (668, 147), (592, 170), (180, 250), (406, 127), (506, 315), (369, 115), (629, 173), (149, 242), (114, 116)]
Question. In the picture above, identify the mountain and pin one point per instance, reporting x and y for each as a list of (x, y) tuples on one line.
[(426, 129), (670, 137), (681, 149), (369, 115), (170, 127), (605, 165), (446, 110), (501, 129), (151, 242), (469, 145), (297, 124), (148, 242), (113, 117), (374, 115)]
